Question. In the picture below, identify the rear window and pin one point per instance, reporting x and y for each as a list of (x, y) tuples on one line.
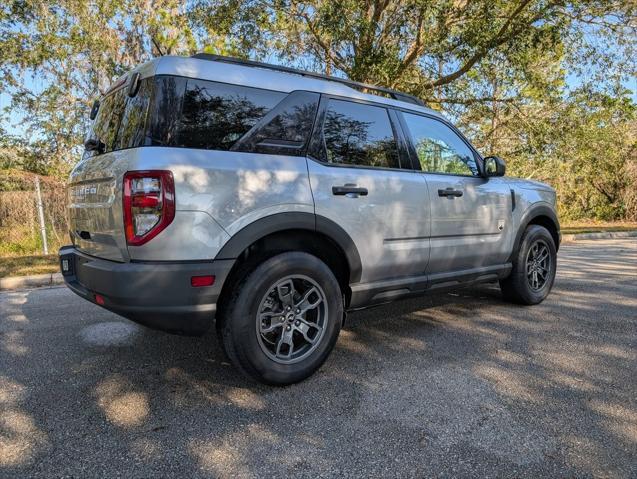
[(121, 121), (189, 113), (132, 129)]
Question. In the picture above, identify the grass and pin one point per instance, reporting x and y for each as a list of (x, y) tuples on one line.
[(27, 265), (22, 240), (597, 227), (20, 251)]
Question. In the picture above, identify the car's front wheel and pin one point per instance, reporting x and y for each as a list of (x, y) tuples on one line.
[(534, 267), (282, 319)]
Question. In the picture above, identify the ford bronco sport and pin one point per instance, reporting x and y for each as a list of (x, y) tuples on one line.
[(273, 200)]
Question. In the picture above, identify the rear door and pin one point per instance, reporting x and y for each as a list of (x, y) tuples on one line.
[(359, 182), (470, 215)]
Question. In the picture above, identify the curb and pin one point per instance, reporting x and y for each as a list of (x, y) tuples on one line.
[(601, 235), (33, 281)]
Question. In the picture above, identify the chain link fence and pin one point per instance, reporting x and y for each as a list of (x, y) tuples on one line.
[(21, 231)]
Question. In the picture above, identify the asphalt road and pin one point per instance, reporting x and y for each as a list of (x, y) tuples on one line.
[(459, 384)]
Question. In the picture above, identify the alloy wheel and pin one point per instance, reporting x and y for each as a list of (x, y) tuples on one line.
[(538, 265), (291, 319)]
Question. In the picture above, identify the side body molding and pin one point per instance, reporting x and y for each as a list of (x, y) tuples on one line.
[(294, 221)]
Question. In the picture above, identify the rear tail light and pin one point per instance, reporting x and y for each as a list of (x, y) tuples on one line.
[(149, 204)]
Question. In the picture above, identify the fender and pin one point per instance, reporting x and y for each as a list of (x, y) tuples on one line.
[(294, 220), (534, 211)]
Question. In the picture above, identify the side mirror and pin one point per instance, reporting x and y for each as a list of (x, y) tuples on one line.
[(494, 166), (94, 109)]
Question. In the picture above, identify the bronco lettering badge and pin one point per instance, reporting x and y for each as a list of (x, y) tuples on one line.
[(81, 191)]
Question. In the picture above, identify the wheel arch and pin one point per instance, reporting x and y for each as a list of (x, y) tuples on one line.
[(294, 231), (542, 215)]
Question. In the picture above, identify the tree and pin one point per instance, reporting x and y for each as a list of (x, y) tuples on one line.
[(55, 58), (424, 46), (504, 70)]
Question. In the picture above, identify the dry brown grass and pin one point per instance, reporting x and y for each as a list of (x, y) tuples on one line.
[(27, 265), (577, 227), (19, 222)]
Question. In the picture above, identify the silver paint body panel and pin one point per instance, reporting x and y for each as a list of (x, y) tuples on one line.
[(401, 229), (465, 231), (389, 226)]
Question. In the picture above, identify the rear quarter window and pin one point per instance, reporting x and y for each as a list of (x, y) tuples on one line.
[(216, 115), (285, 129)]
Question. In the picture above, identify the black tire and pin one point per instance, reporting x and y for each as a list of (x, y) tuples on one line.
[(239, 328), (519, 287)]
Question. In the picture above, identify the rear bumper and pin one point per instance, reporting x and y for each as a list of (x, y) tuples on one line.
[(156, 294)]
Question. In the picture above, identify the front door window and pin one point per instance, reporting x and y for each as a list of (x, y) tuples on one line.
[(439, 148)]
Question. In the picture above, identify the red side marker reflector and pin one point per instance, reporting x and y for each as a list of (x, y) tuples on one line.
[(198, 281), (99, 299)]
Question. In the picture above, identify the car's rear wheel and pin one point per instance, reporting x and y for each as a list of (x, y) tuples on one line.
[(282, 319), (534, 268)]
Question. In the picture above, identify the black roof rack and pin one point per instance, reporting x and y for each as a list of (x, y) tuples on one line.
[(396, 95)]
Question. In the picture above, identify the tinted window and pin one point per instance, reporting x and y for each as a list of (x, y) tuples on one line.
[(215, 115), (132, 129), (359, 134), (285, 129), (121, 121), (176, 111), (439, 148), (108, 119), (165, 110)]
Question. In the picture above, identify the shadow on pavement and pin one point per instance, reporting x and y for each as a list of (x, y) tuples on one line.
[(455, 384)]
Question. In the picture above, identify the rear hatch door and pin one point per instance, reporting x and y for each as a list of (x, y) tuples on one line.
[(95, 206), (95, 187)]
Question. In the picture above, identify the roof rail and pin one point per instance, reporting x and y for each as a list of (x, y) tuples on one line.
[(396, 95)]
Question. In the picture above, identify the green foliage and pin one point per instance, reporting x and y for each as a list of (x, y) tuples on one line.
[(500, 68), (15, 179), (585, 146), (55, 58), (22, 240)]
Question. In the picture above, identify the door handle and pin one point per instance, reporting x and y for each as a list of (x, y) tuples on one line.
[(349, 189), (450, 193)]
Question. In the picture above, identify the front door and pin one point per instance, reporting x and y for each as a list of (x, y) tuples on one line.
[(470, 215), (357, 182)]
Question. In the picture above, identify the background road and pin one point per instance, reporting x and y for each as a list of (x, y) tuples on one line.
[(449, 385)]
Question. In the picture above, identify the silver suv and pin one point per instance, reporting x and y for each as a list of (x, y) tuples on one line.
[(275, 200)]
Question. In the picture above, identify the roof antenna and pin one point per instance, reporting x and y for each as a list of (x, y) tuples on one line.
[(152, 39)]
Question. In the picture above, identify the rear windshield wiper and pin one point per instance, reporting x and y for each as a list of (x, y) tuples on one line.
[(94, 144), (94, 109)]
